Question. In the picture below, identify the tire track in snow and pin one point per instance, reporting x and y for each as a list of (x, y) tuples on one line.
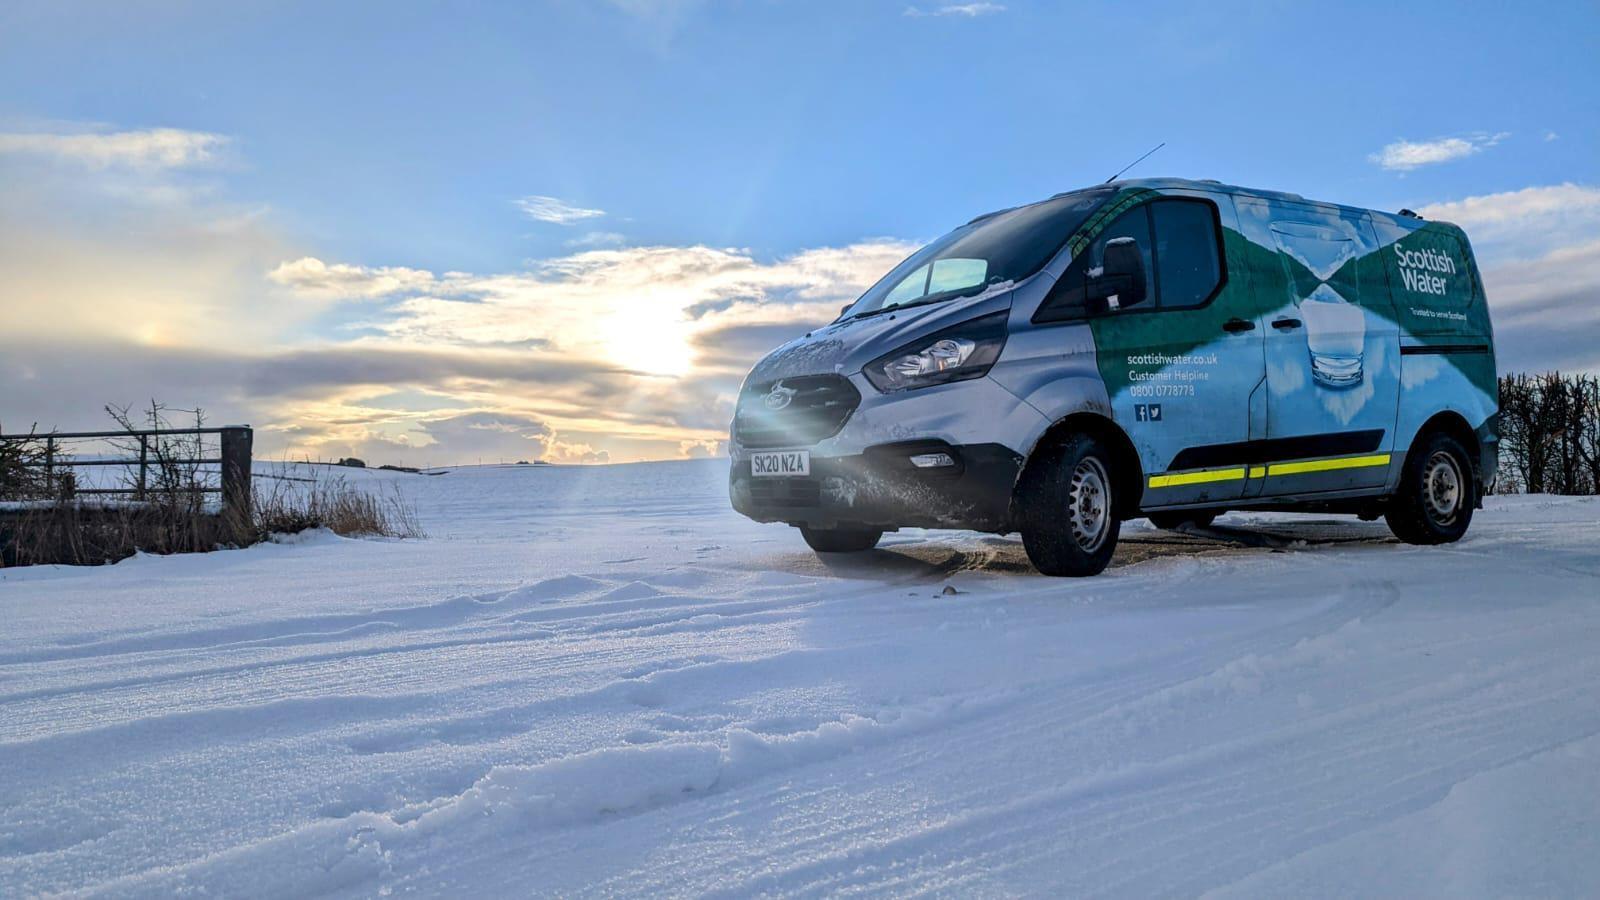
[(1026, 739), (1070, 809)]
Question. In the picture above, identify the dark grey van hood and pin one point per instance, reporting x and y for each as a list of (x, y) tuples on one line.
[(845, 347)]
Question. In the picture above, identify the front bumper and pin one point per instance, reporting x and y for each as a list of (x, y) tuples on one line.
[(880, 488), (863, 477)]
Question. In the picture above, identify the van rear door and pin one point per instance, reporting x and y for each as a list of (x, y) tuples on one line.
[(1332, 351)]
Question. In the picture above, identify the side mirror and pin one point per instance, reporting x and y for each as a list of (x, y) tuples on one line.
[(1120, 283), (846, 308)]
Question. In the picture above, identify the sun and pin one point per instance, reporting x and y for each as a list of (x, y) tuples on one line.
[(648, 336)]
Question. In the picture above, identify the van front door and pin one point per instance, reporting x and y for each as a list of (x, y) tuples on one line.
[(1180, 368), (1332, 350)]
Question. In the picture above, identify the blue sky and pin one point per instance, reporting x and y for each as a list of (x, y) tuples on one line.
[(382, 137)]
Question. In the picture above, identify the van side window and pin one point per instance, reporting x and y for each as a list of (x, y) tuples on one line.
[(1188, 252), (1067, 300), (1181, 240)]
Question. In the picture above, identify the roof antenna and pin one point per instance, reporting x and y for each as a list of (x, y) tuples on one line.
[(1134, 163)]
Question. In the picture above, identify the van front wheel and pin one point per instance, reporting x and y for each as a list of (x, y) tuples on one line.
[(1069, 514), (1437, 493)]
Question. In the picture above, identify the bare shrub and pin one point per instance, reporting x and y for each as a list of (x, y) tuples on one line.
[(170, 473), (1550, 433), (22, 468)]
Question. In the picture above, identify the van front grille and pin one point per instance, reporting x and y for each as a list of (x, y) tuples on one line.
[(794, 412)]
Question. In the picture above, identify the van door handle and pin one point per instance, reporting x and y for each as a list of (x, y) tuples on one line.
[(1234, 326), (1285, 324)]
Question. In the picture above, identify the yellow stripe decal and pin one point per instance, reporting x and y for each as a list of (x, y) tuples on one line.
[(1206, 476), (1175, 479), (1328, 465)]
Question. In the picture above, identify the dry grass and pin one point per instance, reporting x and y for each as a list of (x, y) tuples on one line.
[(334, 504), (73, 532), (83, 532)]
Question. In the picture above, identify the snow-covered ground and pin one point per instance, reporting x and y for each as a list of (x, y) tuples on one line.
[(602, 681)]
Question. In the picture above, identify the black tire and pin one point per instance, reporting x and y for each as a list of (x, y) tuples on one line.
[(840, 540), (1437, 493), (1173, 520), (1069, 514)]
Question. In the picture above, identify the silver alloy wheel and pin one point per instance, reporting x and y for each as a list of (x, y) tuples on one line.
[(1089, 504), (1441, 487)]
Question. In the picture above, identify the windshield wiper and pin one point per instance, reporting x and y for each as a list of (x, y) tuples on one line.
[(884, 309), (924, 301)]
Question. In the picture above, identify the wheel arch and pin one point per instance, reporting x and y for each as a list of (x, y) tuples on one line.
[(1128, 472), (1454, 424)]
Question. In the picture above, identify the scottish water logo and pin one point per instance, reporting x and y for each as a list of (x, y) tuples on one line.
[(1417, 268)]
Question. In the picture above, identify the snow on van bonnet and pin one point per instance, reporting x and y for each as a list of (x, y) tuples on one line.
[(599, 681)]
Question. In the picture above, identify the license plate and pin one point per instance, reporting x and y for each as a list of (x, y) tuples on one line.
[(791, 463)]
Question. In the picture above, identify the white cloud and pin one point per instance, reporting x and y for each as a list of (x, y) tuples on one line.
[(1574, 269), (1524, 223), (555, 210), (638, 308), (182, 270), (315, 278), (635, 352), (1539, 249), (510, 436), (612, 352), (1551, 136), (608, 352), (156, 148), (702, 449), (1516, 207), (1546, 311), (964, 10), (598, 239), (1404, 155)]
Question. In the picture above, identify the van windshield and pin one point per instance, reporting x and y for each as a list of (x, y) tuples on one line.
[(1005, 247)]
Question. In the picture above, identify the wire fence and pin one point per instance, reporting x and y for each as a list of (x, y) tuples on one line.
[(132, 463)]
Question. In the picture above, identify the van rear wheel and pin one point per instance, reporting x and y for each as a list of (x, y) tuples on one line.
[(1437, 493), (840, 540), (1069, 513)]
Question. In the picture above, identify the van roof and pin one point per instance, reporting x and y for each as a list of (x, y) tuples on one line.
[(1208, 184), (1211, 184)]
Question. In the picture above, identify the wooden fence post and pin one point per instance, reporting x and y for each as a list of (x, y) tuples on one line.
[(236, 443)]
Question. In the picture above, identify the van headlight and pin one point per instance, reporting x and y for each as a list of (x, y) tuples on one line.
[(958, 353)]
